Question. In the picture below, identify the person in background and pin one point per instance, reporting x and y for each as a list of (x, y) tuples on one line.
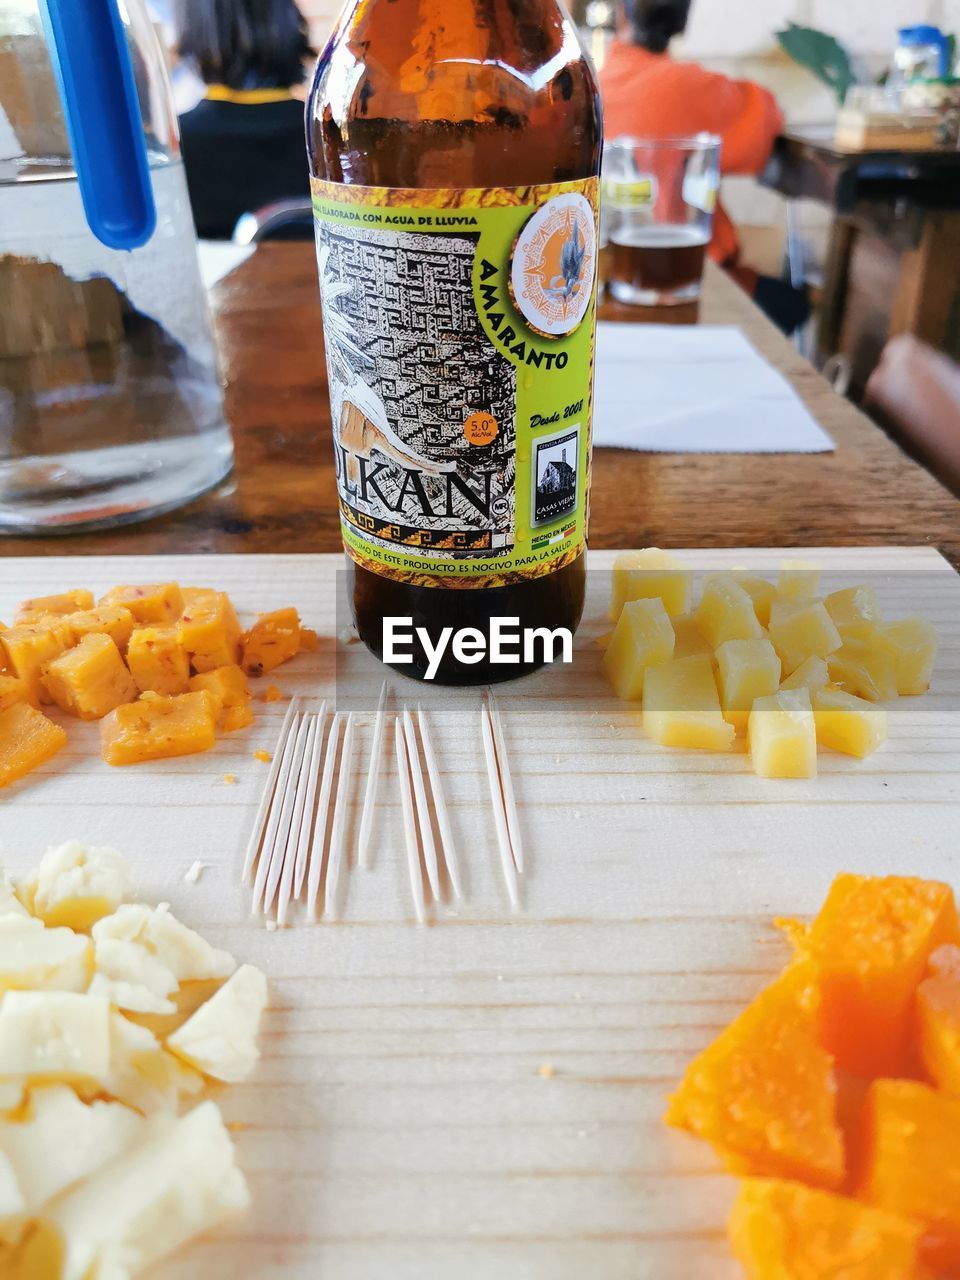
[(647, 93), (243, 145)]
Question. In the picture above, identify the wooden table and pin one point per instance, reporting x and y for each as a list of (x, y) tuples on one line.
[(892, 266), (282, 496)]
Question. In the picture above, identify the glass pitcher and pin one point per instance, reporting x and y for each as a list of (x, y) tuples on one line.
[(111, 407)]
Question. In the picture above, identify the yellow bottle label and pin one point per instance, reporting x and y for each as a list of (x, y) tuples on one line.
[(459, 330)]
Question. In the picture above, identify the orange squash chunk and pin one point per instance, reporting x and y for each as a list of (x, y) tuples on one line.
[(90, 679), (12, 690), (29, 648), (111, 620), (871, 943), (45, 606), (785, 1231), (27, 740), (156, 603), (209, 629), (229, 687), (157, 728), (157, 660), (274, 638), (938, 1020), (907, 1154), (764, 1092)]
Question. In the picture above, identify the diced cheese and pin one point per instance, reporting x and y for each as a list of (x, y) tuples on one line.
[(10, 904), (54, 1035), (812, 674), (220, 1039), (12, 1201), (689, 640), (864, 665), (853, 605), (799, 631), (43, 959), (681, 706), (12, 689), (761, 592), (913, 643), (142, 1073), (648, 575), (798, 580), (158, 603), (746, 670), (847, 723), (726, 612), (188, 956), (782, 735), (643, 636), (131, 978), (61, 1140), (77, 886), (180, 1182), (158, 661), (43, 606)]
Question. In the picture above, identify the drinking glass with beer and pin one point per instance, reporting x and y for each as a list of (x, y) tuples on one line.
[(659, 197)]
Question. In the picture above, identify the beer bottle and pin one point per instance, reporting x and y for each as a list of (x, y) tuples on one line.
[(455, 154)]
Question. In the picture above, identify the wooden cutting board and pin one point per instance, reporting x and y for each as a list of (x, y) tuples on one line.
[(400, 1126)]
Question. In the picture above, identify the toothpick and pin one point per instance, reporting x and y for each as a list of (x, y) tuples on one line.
[(447, 842), (338, 834), (260, 821), (318, 847), (373, 782), (423, 808), (409, 827), (506, 782), (499, 816), (311, 765), (265, 866), (280, 880)]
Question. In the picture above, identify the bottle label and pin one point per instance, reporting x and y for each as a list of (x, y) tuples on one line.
[(459, 329)]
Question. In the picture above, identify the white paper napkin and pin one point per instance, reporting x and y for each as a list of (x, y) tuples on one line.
[(219, 257), (695, 389)]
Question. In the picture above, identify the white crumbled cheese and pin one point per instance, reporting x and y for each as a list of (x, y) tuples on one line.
[(10, 905), (188, 956), (11, 1094), (11, 1198), (54, 1034), (63, 1140), (77, 886), (142, 1073), (220, 1039), (42, 959), (194, 872), (181, 1181), (130, 977)]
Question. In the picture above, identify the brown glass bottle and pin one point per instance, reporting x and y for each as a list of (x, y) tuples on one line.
[(455, 94)]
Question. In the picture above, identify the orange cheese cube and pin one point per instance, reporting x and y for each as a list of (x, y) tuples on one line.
[(274, 638), (90, 679), (763, 1093), (12, 690), (871, 943), (30, 648), (157, 660), (907, 1152), (111, 620), (937, 1029), (309, 640), (156, 603), (156, 728), (46, 606), (229, 687), (209, 629), (236, 718), (785, 1231), (27, 740)]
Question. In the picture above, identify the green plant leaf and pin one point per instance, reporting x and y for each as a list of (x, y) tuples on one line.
[(822, 54)]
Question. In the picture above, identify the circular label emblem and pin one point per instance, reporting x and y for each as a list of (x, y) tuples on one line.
[(481, 428), (553, 265)]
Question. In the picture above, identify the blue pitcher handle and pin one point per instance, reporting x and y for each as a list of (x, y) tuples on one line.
[(91, 61)]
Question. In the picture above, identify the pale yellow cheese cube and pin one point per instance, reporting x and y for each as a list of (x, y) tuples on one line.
[(802, 630), (798, 580), (651, 574), (812, 674), (681, 706), (643, 636), (761, 592), (847, 723), (689, 639), (913, 643), (746, 670), (853, 605), (782, 735), (726, 612), (865, 665)]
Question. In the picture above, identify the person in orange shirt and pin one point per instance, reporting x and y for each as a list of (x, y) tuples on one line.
[(646, 93)]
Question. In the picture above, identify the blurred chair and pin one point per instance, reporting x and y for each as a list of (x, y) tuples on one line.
[(283, 220), (915, 393)]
